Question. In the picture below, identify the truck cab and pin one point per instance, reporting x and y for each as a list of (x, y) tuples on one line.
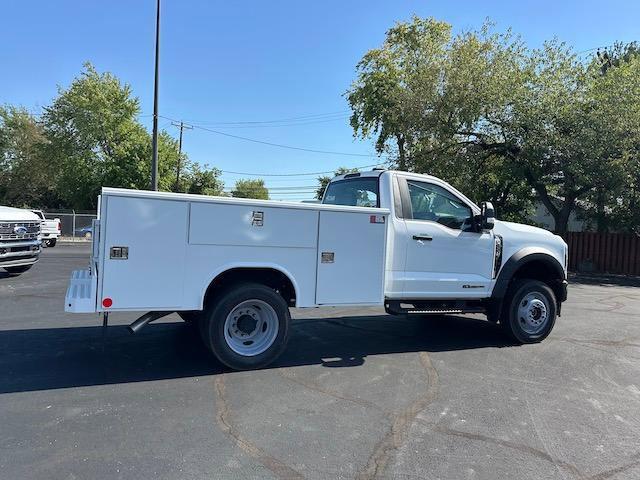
[(445, 254), (49, 229)]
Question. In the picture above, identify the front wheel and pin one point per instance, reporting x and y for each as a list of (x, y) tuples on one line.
[(247, 326), (530, 311)]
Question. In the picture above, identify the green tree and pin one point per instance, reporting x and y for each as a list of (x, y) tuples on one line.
[(324, 180), (204, 181), (495, 119), (27, 176), (574, 128), (250, 189), (95, 137), (613, 203), (423, 94)]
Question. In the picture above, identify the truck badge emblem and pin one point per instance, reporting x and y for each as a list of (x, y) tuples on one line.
[(257, 219), (326, 257), (20, 231), (119, 253)]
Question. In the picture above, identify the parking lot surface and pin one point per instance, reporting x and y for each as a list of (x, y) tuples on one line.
[(357, 394)]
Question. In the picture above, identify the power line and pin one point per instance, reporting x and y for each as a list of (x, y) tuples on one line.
[(279, 145), (289, 119), (277, 125), (293, 174)]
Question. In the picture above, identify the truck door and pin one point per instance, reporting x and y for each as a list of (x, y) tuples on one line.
[(445, 258)]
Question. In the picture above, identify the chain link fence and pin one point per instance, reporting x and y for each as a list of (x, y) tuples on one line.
[(74, 225)]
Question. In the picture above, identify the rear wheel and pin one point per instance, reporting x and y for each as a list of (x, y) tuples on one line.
[(247, 326), (530, 311), (52, 242), (18, 269)]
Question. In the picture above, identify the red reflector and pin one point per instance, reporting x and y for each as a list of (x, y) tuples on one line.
[(107, 302), (376, 219)]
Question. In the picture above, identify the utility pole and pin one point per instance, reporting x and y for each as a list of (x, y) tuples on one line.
[(181, 126), (154, 146)]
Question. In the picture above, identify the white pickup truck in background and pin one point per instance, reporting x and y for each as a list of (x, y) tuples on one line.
[(233, 267), (49, 229), (19, 239)]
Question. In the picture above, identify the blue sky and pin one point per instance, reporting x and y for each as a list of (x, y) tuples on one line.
[(247, 61)]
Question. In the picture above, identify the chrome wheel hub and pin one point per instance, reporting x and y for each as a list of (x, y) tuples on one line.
[(533, 312), (251, 328)]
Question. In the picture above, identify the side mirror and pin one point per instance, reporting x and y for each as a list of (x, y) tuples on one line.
[(487, 216)]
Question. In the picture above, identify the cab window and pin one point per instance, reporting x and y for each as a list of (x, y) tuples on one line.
[(436, 204), (355, 192)]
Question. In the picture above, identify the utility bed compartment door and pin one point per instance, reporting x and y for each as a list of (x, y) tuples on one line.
[(351, 256), (154, 232)]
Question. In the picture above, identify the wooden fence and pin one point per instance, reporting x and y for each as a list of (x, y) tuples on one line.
[(604, 252)]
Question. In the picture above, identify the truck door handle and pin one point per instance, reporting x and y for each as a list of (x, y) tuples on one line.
[(423, 237)]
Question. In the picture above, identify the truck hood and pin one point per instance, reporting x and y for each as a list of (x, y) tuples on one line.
[(517, 236), (521, 228), (10, 214)]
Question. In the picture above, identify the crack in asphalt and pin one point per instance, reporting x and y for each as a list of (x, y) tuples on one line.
[(223, 414), (399, 431), (614, 471), (625, 342), (541, 454)]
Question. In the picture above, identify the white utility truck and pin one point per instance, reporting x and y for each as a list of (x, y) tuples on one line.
[(49, 229), (20, 244), (233, 267)]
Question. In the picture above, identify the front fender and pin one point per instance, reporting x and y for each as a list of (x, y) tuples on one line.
[(517, 261)]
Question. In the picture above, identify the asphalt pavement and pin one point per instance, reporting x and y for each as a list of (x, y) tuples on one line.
[(357, 394)]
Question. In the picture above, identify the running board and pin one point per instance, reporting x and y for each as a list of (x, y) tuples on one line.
[(441, 311), (434, 307)]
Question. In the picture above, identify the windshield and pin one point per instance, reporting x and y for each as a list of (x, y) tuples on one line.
[(355, 192)]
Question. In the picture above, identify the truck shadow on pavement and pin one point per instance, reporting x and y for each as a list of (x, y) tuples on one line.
[(52, 358)]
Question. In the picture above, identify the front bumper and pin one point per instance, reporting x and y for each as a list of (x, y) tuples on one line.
[(563, 287), (15, 254)]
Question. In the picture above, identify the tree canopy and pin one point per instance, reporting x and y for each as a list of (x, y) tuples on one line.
[(499, 121), (250, 189), (87, 138)]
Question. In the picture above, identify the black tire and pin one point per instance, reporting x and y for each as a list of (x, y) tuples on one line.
[(19, 269), (52, 242), (526, 330), (215, 316)]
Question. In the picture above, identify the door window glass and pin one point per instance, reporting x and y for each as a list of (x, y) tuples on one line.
[(436, 204)]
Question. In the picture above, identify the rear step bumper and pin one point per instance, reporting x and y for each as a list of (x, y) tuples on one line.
[(81, 292)]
